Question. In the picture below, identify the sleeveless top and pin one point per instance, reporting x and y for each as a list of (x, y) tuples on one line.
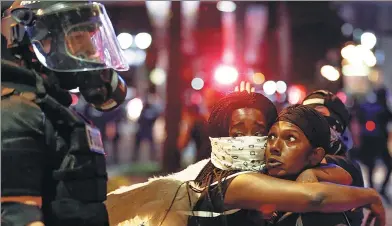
[(210, 211)]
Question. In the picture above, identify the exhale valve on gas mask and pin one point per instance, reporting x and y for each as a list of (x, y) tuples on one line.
[(104, 89)]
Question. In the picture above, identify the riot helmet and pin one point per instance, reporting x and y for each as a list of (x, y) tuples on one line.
[(65, 36), (74, 41)]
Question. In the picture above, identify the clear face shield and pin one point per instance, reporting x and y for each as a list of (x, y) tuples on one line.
[(72, 38)]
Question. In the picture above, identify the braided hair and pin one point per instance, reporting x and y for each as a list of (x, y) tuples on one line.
[(219, 125)]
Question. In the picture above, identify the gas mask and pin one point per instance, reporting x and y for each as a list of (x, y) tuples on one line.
[(239, 153), (104, 89)]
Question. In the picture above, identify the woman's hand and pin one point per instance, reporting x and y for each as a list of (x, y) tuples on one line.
[(307, 176), (244, 86), (326, 173)]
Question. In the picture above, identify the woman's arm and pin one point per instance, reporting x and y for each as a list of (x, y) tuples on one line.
[(256, 191), (326, 173)]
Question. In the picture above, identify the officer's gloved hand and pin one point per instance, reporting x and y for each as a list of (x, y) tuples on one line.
[(73, 212)]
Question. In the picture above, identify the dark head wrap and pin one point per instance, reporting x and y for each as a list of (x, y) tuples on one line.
[(337, 108), (219, 120), (312, 123)]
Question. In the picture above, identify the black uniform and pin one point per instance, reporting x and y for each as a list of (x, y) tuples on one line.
[(48, 150), (32, 151)]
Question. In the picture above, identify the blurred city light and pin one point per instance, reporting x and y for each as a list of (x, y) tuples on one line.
[(125, 40), (197, 83), (196, 98), (143, 40), (269, 87), (226, 6), (258, 78), (190, 8), (370, 126), (368, 40), (347, 29), (348, 52), (295, 94), (374, 76), (358, 55), (345, 62), (159, 10), (226, 74), (362, 50), (357, 34), (330, 73), (158, 76), (357, 60), (134, 57), (355, 70), (370, 60), (281, 87), (134, 109)]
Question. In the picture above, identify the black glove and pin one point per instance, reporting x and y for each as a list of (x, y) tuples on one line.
[(72, 212)]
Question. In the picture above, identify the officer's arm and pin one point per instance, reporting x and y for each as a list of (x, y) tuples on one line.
[(22, 159), (81, 188)]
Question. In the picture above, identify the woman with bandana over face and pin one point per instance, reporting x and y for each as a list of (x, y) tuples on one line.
[(234, 189)]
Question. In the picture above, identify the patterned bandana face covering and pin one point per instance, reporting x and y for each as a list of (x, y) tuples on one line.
[(239, 153), (336, 135)]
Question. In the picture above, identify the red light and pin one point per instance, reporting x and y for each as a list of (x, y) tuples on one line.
[(342, 96), (196, 98), (225, 74), (296, 93), (370, 125)]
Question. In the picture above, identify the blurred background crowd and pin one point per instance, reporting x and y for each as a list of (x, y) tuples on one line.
[(185, 55)]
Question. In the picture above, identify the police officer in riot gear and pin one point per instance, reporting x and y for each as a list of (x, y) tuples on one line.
[(53, 163)]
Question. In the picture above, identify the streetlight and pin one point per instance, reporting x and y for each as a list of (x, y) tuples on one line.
[(197, 83), (226, 6), (226, 74), (143, 40), (330, 73), (368, 40), (269, 87), (125, 40), (281, 87)]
